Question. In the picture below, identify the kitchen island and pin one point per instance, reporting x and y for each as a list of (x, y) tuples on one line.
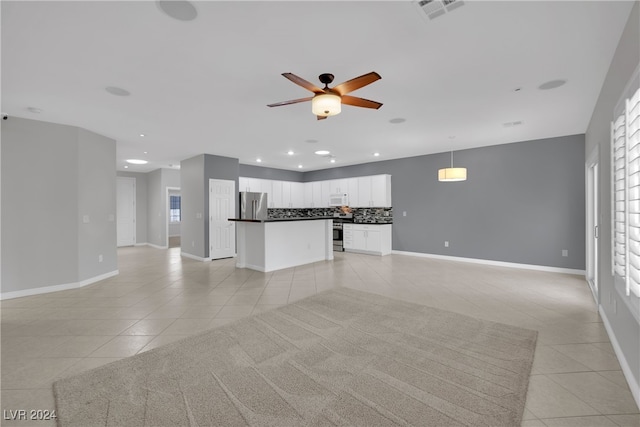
[(273, 244)]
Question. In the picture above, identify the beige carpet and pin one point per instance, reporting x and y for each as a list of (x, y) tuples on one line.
[(342, 357)]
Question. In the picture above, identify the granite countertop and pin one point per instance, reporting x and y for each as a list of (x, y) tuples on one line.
[(308, 218), (292, 218)]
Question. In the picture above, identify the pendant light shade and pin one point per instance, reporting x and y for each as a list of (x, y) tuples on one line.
[(326, 104), (452, 174)]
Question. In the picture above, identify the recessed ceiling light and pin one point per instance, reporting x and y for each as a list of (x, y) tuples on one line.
[(259, 160), (117, 91), (552, 84), (322, 152), (311, 141), (137, 161), (142, 134), (299, 166), (290, 152), (126, 167), (332, 160), (145, 152), (34, 110), (397, 120), (179, 9), (376, 154)]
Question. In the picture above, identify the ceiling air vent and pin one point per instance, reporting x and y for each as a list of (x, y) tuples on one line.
[(512, 124), (436, 8)]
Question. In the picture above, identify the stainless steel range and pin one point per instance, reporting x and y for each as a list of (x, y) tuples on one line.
[(338, 220)]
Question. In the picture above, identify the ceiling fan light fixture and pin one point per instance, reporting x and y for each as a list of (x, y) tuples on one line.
[(326, 104)]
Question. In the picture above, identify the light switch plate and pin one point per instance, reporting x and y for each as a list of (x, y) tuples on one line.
[(85, 219)]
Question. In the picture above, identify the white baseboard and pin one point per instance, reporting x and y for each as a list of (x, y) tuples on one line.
[(157, 246), (56, 288), (494, 263), (196, 257), (141, 244), (626, 370)]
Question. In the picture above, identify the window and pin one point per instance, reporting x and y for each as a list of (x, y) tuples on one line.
[(174, 208), (625, 195)]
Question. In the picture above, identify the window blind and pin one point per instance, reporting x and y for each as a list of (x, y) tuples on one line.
[(618, 190), (632, 137)]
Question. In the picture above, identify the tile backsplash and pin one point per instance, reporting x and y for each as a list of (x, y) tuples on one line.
[(363, 215)]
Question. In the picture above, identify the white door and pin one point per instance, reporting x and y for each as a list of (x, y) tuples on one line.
[(126, 211), (222, 205)]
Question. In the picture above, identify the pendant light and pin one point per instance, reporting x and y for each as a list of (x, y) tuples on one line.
[(452, 174)]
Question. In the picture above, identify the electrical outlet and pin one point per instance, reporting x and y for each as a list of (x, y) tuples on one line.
[(100, 258), (565, 252), (193, 243), (446, 243), (404, 213)]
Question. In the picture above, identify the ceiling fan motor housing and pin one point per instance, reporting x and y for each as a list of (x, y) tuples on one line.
[(326, 78)]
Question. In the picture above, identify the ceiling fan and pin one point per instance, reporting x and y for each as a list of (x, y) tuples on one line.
[(327, 101)]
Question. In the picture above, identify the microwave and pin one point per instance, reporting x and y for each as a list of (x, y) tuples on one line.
[(338, 199)]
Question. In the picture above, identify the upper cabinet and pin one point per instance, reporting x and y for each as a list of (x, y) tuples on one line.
[(372, 191), (297, 195), (364, 191)]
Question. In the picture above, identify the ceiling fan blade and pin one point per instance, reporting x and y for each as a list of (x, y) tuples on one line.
[(322, 117), (357, 83), (360, 102), (293, 101), (302, 82)]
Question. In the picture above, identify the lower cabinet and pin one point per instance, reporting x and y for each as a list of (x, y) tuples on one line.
[(372, 239)]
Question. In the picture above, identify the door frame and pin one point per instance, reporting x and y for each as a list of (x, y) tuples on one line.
[(593, 227), (166, 214)]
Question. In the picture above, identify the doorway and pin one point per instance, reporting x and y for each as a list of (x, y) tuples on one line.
[(593, 224), (174, 217), (222, 206)]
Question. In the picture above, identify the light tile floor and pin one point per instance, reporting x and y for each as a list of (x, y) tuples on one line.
[(160, 297)]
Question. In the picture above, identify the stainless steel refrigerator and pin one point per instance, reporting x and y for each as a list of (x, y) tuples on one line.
[(253, 205)]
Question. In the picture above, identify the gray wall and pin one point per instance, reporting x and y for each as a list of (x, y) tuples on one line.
[(522, 202), (192, 190), (48, 184), (253, 171), (624, 318), (97, 199), (141, 204), (157, 182), (155, 225)]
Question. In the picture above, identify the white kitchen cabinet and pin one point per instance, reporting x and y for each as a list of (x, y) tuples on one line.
[(372, 239), (338, 186), (297, 195), (308, 194), (318, 200), (326, 191), (275, 197), (254, 185), (352, 191), (373, 191)]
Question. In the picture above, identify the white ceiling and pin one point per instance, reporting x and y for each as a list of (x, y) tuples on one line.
[(202, 86)]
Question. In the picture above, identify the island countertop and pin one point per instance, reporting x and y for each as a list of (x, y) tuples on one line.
[(293, 218), (308, 218)]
